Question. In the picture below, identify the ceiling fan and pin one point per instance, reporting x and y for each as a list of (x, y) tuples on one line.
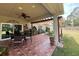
[(24, 15)]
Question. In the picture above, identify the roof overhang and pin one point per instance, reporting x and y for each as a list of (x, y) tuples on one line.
[(37, 12)]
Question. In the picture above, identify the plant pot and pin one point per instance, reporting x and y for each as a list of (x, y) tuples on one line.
[(51, 40)]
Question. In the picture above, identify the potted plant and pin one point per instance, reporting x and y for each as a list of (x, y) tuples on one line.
[(34, 30), (47, 30), (3, 51)]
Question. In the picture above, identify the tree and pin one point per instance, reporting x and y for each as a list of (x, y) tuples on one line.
[(68, 22), (76, 22)]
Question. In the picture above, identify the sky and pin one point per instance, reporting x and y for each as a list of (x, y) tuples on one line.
[(69, 7)]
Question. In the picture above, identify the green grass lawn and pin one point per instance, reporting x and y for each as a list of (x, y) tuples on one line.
[(71, 44)]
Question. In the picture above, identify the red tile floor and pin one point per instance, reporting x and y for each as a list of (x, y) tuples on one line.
[(40, 46)]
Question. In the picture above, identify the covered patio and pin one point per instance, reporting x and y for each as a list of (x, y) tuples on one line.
[(26, 16), (38, 47)]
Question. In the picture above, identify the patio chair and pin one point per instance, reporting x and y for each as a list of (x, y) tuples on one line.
[(18, 40), (28, 37)]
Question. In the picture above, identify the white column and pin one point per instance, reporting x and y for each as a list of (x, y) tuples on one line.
[(55, 23)]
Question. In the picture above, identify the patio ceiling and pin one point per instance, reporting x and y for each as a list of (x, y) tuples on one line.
[(35, 10)]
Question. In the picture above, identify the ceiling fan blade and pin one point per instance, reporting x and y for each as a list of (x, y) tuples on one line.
[(23, 15)]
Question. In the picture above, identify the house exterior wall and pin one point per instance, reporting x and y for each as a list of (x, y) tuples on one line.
[(44, 25)]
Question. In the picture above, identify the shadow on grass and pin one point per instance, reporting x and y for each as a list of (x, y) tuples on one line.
[(71, 48)]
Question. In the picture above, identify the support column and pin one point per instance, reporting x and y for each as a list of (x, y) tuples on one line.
[(56, 32), (55, 22)]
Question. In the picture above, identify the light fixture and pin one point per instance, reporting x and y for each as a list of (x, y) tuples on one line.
[(49, 17), (20, 8), (52, 16), (33, 6), (46, 18)]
